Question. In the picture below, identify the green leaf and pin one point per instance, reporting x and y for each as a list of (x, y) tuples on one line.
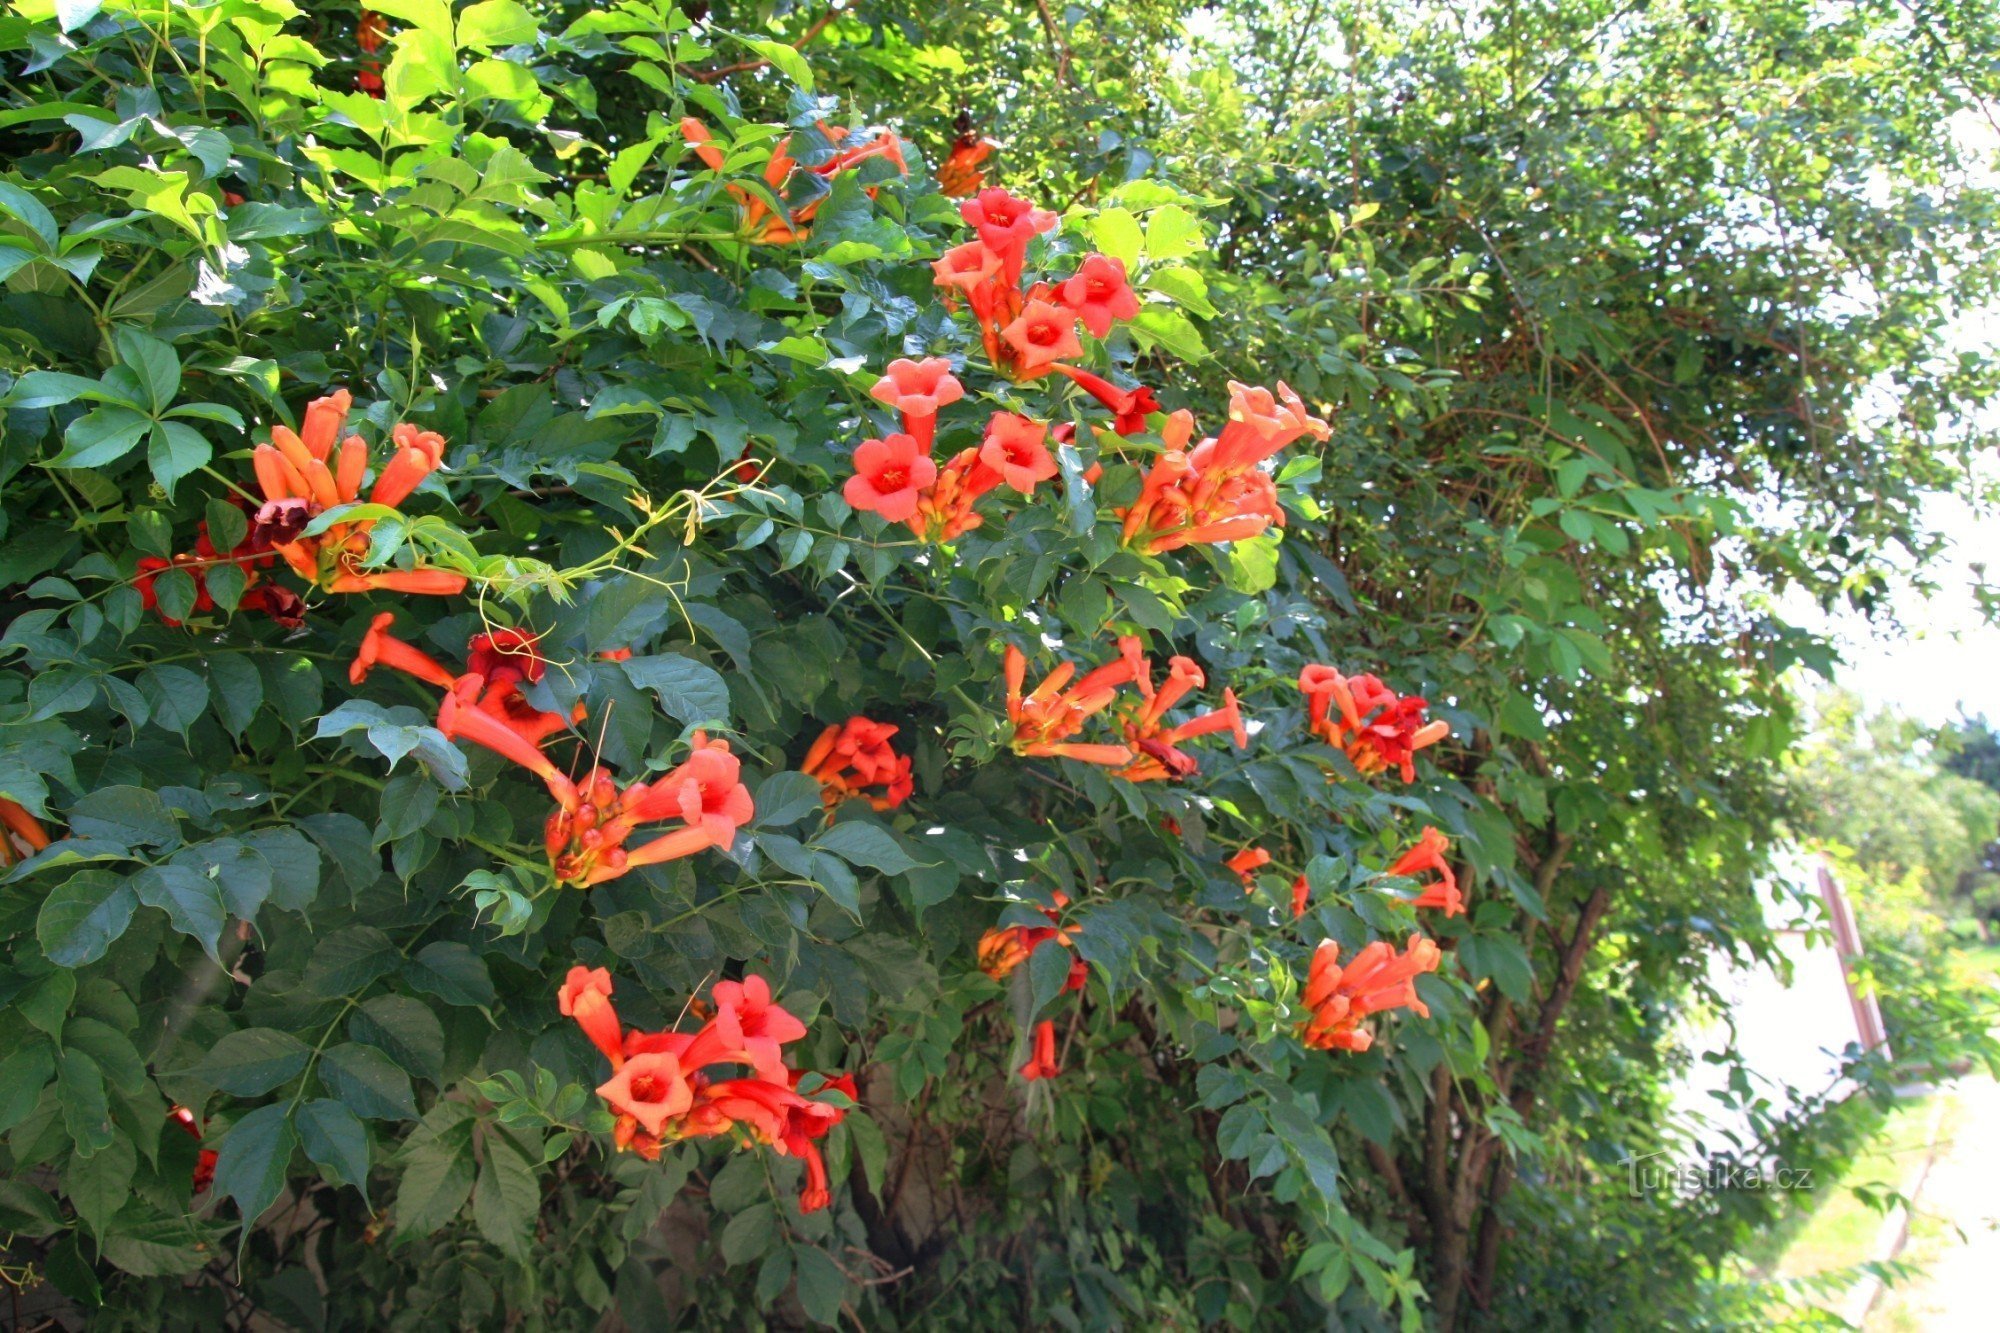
[(102, 436), (252, 1062), (177, 696), (336, 1141), (85, 1112), (1048, 973), (865, 845), (437, 1170), (785, 797), (190, 899), (1173, 233), (406, 1029), (176, 449), (23, 1074), (100, 1184), (493, 24), (20, 204), (452, 972), (749, 1233), (506, 1197), (687, 690), (255, 1155), (822, 1286), (349, 960), (83, 916), (368, 1082), (128, 816), (1115, 232), (785, 57), (156, 364)]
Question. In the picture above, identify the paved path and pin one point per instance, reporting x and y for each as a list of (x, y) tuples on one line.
[(1957, 1293)]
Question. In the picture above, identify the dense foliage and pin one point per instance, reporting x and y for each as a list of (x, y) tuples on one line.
[(385, 784)]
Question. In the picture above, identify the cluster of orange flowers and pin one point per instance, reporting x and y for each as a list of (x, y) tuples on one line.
[(1046, 719), (302, 477), (662, 1089), (1378, 979), (1031, 331), (759, 224), (586, 833), (1377, 728), (853, 758), (896, 477), (1218, 491)]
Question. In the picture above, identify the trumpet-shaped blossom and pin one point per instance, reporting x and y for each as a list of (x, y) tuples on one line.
[(586, 835), (917, 389), (890, 476), (961, 173), (1046, 720), (945, 511), (1157, 756), (1017, 448), (1217, 491), (1042, 1061), (1002, 949), (1041, 335), (1246, 863), (1129, 407), (1374, 726), (1005, 224), (1099, 294), (664, 1086), (302, 474), (853, 758), (1379, 979), (1428, 855), (500, 660), (1301, 896), (757, 223)]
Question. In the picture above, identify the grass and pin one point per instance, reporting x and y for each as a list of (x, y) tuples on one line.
[(1976, 964), (1841, 1231)]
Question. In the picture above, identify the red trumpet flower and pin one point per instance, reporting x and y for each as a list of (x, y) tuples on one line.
[(1359, 715), (1246, 864), (1017, 449), (1218, 491), (1042, 1062), (661, 1089), (301, 477), (917, 389), (1429, 855), (960, 174), (1156, 746), (587, 832), (890, 476), (853, 757), (21, 834), (1045, 720), (1099, 294), (281, 604), (1378, 979)]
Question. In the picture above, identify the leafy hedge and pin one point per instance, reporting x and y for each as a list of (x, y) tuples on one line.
[(725, 587)]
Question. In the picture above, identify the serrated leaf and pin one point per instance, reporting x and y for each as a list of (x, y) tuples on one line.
[(251, 1165), (252, 1062), (368, 1082)]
